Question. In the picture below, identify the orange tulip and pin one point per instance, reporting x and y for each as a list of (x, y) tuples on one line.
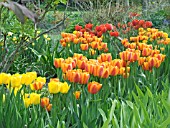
[(49, 107), (122, 70), (78, 56), (141, 60), (146, 51), (65, 67), (114, 70), (57, 62), (94, 44), (45, 102), (152, 62), (54, 79), (76, 41), (64, 44), (98, 70), (145, 66), (84, 77), (105, 57), (37, 85), (117, 62), (123, 55), (103, 45), (132, 46), (105, 73), (76, 77), (84, 47), (81, 64), (153, 52), (94, 87), (77, 94), (125, 42), (89, 68)]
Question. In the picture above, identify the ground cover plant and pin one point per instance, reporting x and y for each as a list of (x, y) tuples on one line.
[(84, 74)]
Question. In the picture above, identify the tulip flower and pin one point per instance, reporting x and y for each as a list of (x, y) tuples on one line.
[(36, 85), (114, 70), (89, 68), (27, 102), (84, 77), (94, 87), (125, 42), (146, 51), (105, 73), (84, 47), (5, 78), (26, 79), (54, 79), (77, 94), (81, 64), (54, 87), (57, 62), (15, 80), (33, 75), (88, 26), (44, 102), (41, 79), (115, 34), (65, 67), (105, 57), (109, 27), (64, 88), (49, 107), (78, 27), (35, 98)]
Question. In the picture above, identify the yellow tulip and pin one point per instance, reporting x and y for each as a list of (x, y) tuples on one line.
[(41, 79), (33, 75), (26, 79), (16, 80), (27, 102), (64, 87), (5, 78), (54, 87), (35, 98)]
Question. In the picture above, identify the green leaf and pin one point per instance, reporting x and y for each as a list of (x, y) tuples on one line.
[(149, 93), (58, 124), (103, 114), (111, 113), (165, 123), (166, 105), (140, 93), (36, 53), (129, 103), (84, 125)]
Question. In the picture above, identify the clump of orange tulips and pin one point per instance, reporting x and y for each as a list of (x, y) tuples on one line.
[(45, 103), (85, 39), (103, 67), (77, 76), (149, 57)]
